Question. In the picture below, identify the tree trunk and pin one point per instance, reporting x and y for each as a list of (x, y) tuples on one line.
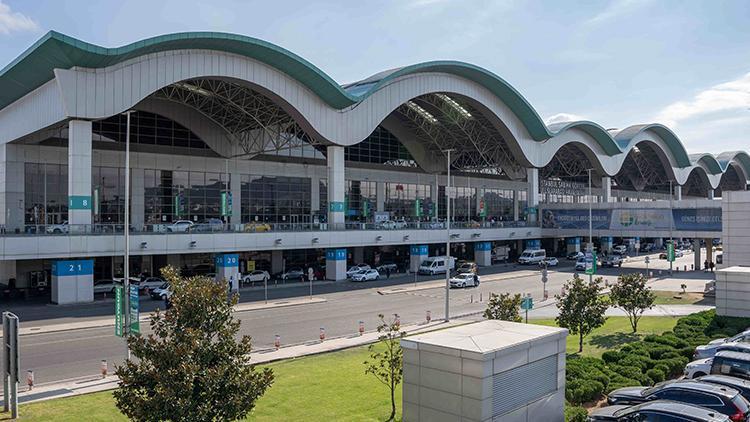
[(580, 341), (393, 402)]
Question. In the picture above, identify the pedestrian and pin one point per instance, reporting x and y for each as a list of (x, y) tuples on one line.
[(705, 266), (711, 265)]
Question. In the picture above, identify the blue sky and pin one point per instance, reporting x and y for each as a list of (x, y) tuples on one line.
[(617, 62)]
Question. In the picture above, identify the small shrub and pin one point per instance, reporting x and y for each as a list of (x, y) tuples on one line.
[(656, 375), (575, 414)]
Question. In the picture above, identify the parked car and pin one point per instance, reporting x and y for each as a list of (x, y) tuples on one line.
[(660, 410), (160, 292), (256, 228), (550, 261), (581, 264), (739, 384), (613, 260), (58, 228), (208, 225), (259, 276), (150, 283), (708, 350), (436, 265), (293, 274), (354, 269), (464, 280), (532, 256), (734, 364), (384, 268), (467, 267), (573, 256), (366, 275), (620, 249), (718, 398), (393, 225), (105, 286), (677, 254), (180, 226)]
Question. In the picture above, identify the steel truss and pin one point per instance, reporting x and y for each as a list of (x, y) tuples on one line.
[(696, 185), (452, 124), (568, 162), (642, 168), (250, 118), (732, 179)]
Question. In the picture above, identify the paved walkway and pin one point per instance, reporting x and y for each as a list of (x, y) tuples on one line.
[(658, 310), (95, 384)]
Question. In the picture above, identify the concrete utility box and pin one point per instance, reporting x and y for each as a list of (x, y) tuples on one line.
[(735, 228), (733, 291), (487, 371)]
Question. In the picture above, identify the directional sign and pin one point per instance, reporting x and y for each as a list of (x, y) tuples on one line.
[(590, 263), (119, 316), (647, 260), (135, 325), (670, 252), (544, 274), (527, 303)]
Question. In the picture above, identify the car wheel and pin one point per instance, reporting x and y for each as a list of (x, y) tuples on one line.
[(698, 374), (463, 285)]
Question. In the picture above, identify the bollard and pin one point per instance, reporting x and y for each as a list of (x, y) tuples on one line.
[(471, 300), (30, 379), (322, 333), (480, 297), (692, 267), (428, 316), (546, 294), (104, 368), (397, 323), (277, 342), (361, 327), (684, 268)]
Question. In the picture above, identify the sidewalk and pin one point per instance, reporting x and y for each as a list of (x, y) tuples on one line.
[(95, 384), (658, 310), (110, 322)]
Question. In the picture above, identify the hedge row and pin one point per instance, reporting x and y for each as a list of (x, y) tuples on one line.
[(653, 359)]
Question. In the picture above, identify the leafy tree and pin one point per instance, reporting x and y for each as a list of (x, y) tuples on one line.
[(504, 307), (192, 367), (387, 365), (632, 295), (581, 308)]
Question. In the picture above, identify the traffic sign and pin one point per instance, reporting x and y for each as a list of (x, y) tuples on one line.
[(135, 325), (544, 274), (119, 322), (527, 303), (670, 252), (590, 263), (647, 260)]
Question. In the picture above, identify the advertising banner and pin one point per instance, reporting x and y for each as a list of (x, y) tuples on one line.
[(704, 219), (641, 219), (575, 219), (662, 219)]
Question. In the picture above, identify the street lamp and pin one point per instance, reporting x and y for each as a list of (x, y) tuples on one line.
[(590, 246), (448, 236), (126, 264)]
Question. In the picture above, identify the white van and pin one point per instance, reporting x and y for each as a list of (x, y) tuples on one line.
[(436, 265), (532, 256), (620, 249)]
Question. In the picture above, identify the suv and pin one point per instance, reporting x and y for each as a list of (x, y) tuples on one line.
[(660, 410), (743, 386), (719, 398), (613, 260), (702, 352), (708, 350), (734, 364)]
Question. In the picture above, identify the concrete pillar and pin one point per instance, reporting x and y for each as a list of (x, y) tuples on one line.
[(519, 246), (315, 195), (172, 259), (12, 182), (336, 184), (678, 192), (277, 261), (235, 187), (555, 247), (418, 253), (359, 255), (380, 196), (573, 244), (336, 264), (606, 189), (532, 193), (710, 194), (697, 260), (659, 242), (605, 244), (709, 250), (483, 253), (8, 271), (73, 281), (79, 172), (228, 270), (533, 243), (516, 211), (137, 199)]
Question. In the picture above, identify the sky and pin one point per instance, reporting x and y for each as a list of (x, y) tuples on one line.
[(682, 63)]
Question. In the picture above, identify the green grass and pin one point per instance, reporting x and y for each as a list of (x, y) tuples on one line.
[(668, 298), (326, 387), (614, 333)]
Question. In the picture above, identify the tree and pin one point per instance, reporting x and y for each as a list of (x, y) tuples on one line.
[(504, 307), (192, 367), (632, 295), (582, 308), (387, 365)]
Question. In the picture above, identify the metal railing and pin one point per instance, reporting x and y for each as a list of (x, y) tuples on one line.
[(207, 228)]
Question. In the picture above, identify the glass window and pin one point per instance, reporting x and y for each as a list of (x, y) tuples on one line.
[(45, 193), (275, 199), (412, 202)]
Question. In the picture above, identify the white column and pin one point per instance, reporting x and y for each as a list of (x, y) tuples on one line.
[(606, 189), (516, 212), (79, 172), (532, 193), (137, 198), (380, 196), (710, 194), (277, 261), (315, 195), (336, 184), (697, 261), (678, 192), (12, 181), (235, 186)]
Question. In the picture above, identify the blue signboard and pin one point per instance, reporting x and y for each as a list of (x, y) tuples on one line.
[(336, 254), (573, 241), (483, 246), (700, 219), (73, 267), (575, 219), (336, 206), (227, 260), (419, 249), (533, 244)]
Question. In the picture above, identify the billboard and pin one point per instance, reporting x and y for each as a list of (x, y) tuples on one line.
[(661, 219)]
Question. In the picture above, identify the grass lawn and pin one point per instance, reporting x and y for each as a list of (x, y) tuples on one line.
[(668, 298), (326, 387), (615, 332)]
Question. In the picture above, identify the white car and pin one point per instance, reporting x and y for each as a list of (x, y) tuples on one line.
[(581, 264), (464, 280), (58, 228), (256, 276), (551, 261), (180, 226), (698, 368), (702, 352), (105, 286), (356, 269), (708, 350), (366, 275), (150, 283), (161, 292)]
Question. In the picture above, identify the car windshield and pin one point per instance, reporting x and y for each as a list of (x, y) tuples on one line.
[(655, 388)]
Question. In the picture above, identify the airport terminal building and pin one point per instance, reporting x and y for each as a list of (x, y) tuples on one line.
[(244, 153)]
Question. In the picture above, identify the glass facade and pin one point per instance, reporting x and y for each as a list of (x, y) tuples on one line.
[(108, 194), (45, 193), (409, 201), (498, 204), (148, 129), (360, 201), (323, 197), (275, 199), (381, 147), (464, 205), (183, 195)]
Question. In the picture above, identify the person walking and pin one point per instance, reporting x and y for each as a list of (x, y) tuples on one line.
[(387, 272)]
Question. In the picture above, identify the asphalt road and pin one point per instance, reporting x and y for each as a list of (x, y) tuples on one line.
[(78, 353)]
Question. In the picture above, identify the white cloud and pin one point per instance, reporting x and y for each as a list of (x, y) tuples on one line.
[(616, 9), (722, 99), (563, 117), (11, 21)]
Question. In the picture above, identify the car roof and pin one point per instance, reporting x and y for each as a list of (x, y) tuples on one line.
[(675, 408), (733, 355), (738, 344), (726, 379), (702, 387)]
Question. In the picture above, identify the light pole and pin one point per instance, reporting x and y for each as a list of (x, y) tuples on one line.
[(448, 236), (590, 246), (671, 217), (126, 264)]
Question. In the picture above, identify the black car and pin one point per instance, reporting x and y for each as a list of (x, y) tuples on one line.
[(661, 410), (739, 384), (719, 398)]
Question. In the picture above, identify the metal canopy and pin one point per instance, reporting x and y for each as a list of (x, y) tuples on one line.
[(643, 168), (569, 163)]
